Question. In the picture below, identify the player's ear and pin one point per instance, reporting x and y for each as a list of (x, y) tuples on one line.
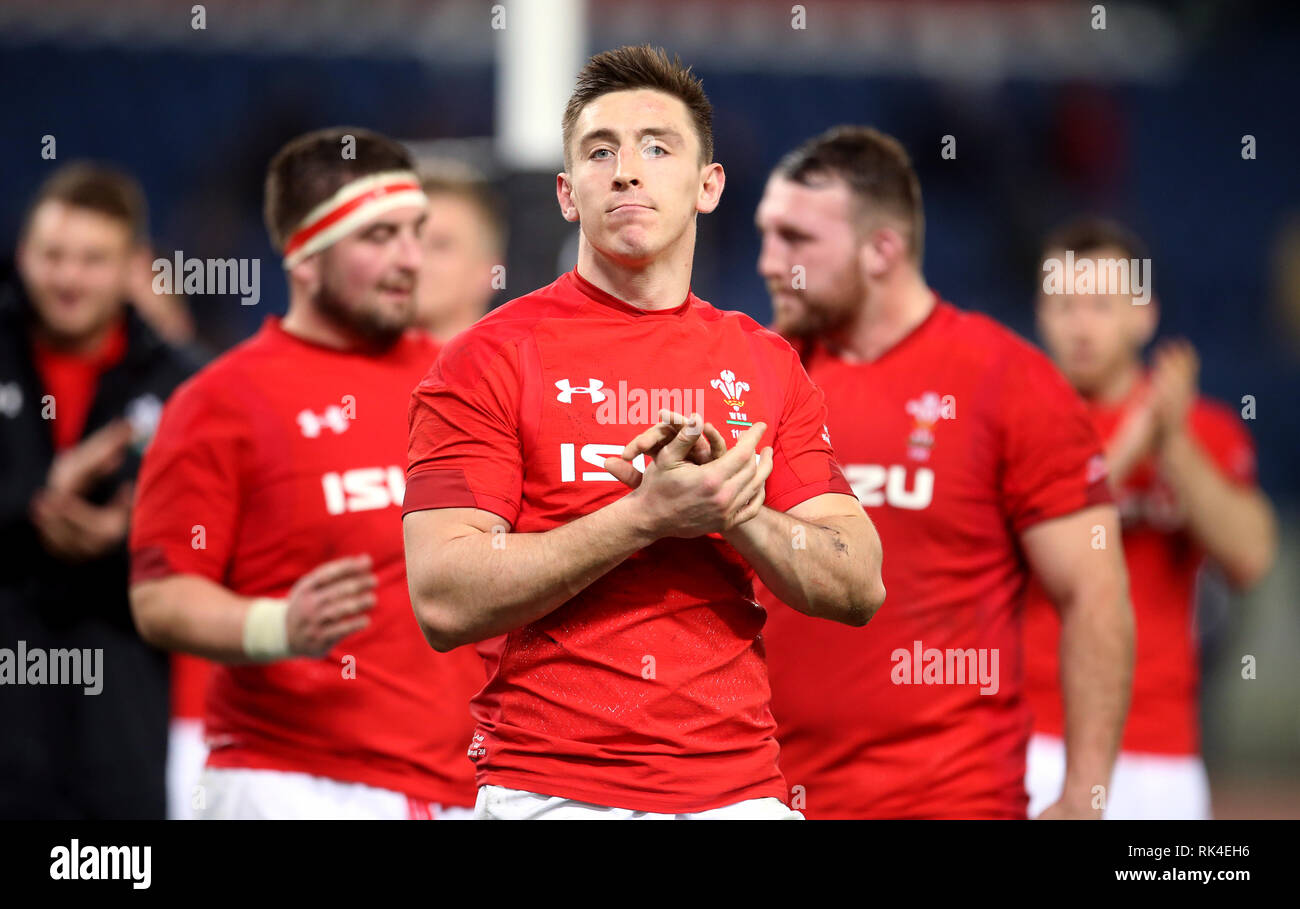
[(564, 195), (1148, 319), (879, 249), (713, 179), (306, 274)]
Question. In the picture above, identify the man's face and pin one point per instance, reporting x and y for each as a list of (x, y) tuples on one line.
[(367, 279), (809, 256), (75, 264), (1093, 336), (635, 179), (456, 268)]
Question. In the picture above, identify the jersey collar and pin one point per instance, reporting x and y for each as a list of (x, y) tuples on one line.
[(592, 292)]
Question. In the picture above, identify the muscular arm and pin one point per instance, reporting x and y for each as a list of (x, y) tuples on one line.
[(1234, 524), (469, 582), (822, 557), (1088, 583), (193, 614)]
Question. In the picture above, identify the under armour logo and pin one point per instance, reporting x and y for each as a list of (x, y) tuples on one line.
[(311, 424), (567, 391)]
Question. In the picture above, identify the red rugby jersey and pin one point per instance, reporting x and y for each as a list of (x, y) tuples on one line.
[(190, 677), (647, 690), (280, 456), (956, 440), (1163, 561)]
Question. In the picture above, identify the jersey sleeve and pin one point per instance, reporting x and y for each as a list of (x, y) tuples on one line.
[(1226, 441), (803, 462), (190, 486), (465, 441), (1052, 460)]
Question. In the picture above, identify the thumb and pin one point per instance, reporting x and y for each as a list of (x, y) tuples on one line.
[(624, 472)]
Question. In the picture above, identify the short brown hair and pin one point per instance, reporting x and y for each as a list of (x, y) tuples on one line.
[(632, 67), (447, 179), (311, 168), (95, 187), (876, 168), (1091, 233)]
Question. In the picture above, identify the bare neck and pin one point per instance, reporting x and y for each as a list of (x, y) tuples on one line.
[(661, 283), (305, 322), (1118, 386), (890, 312)]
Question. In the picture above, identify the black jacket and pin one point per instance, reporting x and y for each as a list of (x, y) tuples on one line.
[(136, 387), (63, 754)]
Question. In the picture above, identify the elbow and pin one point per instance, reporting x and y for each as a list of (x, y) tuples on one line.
[(1105, 594), (1252, 567), (1252, 561), (147, 619), (438, 624), (862, 607), (868, 595), (871, 602)]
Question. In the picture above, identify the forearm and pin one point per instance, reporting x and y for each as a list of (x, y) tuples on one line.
[(191, 614), (829, 569), (1128, 447), (1096, 657), (485, 584), (1235, 526)]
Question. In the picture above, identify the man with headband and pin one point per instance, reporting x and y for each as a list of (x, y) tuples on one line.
[(266, 533)]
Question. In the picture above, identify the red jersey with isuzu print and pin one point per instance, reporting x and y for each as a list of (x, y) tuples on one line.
[(648, 689), (956, 440)]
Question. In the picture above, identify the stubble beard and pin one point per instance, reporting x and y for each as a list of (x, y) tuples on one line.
[(372, 326)]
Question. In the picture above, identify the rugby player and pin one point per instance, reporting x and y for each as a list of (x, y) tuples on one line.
[(464, 241), (626, 672), (266, 533), (980, 468), (1182, 468)]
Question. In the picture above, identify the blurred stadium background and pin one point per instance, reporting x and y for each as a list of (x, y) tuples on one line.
[(1143, 120)]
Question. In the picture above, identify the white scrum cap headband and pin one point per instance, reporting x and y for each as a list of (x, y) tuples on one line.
[(351, 206)]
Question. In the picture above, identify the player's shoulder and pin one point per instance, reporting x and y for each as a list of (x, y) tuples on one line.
[(983, 334), (469, 354), (999, 348), (996, 357), (1212, 417), (220, 384), (763, 339)]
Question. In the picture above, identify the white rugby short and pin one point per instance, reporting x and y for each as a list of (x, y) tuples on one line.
[(186, 754), (240, 794), (1144, 787), (497, 803)]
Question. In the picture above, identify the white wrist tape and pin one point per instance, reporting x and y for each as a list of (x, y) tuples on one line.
[(266, 630)]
